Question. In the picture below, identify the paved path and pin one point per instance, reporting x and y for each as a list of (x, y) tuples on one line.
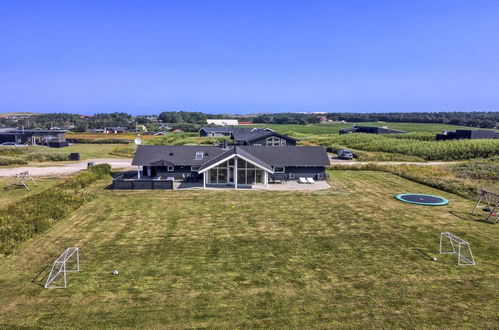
[(65, 169)]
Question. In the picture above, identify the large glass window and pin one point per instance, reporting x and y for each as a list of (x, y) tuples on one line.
[(247, 173), (218, 174)]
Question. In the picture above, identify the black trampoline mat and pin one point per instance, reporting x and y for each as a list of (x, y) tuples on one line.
[(422, 199)]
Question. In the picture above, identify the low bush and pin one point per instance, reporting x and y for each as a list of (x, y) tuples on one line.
[(421, 136), (429, 150), (36, 213), (45, 156), (99, 141), (480, 169), (7, 160), (34, 153), (101, 170)]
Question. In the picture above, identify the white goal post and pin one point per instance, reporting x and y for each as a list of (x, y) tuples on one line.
[(68, 261), (451, 244)]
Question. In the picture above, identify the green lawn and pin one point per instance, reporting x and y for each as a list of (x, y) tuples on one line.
[(348, 257)]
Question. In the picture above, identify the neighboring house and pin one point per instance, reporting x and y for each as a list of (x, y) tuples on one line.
[(250, 136), (114, 130), (98, 130), (222, 130), (222, 122), (467, 134), (370, 130), (231, 166), (266, 138), (51, 138)]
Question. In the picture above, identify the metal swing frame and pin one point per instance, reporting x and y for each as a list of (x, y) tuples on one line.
[(491, 200), (462, 245), (22, 178), (60, 266)]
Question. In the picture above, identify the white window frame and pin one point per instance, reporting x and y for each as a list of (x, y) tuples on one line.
[(273, 141), (258, 145), (283, 142), (170, 168), (276, 167), (199, 155)]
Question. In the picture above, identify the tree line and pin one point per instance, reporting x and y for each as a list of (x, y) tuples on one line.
[(192, 121)]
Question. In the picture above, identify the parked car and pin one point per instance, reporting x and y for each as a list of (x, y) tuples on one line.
[(12, 144), (345, 154)]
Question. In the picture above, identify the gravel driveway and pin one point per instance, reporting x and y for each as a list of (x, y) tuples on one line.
[(65, 169)]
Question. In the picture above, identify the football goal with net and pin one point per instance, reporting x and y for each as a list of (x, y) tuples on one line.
[(451, 244), (68, 261)]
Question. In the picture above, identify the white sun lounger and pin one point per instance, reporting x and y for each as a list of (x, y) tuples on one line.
[(310, 180), (302, 180)]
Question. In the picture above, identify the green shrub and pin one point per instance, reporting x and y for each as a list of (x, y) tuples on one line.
[(7, 160), (45, 156), (34, 153), (480, 169), (101, 170), (429, 150)]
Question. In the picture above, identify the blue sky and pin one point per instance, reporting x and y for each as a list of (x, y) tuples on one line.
[(248, 56)]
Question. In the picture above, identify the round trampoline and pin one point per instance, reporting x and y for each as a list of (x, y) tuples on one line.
[(422, 199)]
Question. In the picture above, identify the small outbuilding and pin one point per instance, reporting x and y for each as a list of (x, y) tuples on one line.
[(371, 130), (467, 134)]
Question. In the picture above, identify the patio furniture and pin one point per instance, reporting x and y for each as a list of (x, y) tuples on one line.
[(302, 180), (310, 180)]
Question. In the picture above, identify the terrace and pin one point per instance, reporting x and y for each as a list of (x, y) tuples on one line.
[(130, 181)]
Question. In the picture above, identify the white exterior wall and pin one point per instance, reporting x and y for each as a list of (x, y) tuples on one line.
[(223, 122)]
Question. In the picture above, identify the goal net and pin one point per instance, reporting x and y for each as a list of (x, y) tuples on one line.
[(451, 244), (68, 261)]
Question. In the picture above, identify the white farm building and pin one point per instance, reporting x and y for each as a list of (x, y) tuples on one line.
[(223, 122)]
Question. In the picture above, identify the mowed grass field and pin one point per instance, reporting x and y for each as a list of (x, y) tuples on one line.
[(351, 256)]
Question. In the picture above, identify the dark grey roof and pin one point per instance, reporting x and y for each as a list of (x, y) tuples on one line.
[(226, 153), (290, 156), (264, 156), (251, 156), (233, 129), (178, 155)]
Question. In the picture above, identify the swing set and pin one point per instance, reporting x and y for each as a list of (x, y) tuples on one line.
[(21, 179), (489, 202)]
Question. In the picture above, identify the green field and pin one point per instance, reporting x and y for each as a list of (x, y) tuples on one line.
[(348, 257), (334, 128)]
